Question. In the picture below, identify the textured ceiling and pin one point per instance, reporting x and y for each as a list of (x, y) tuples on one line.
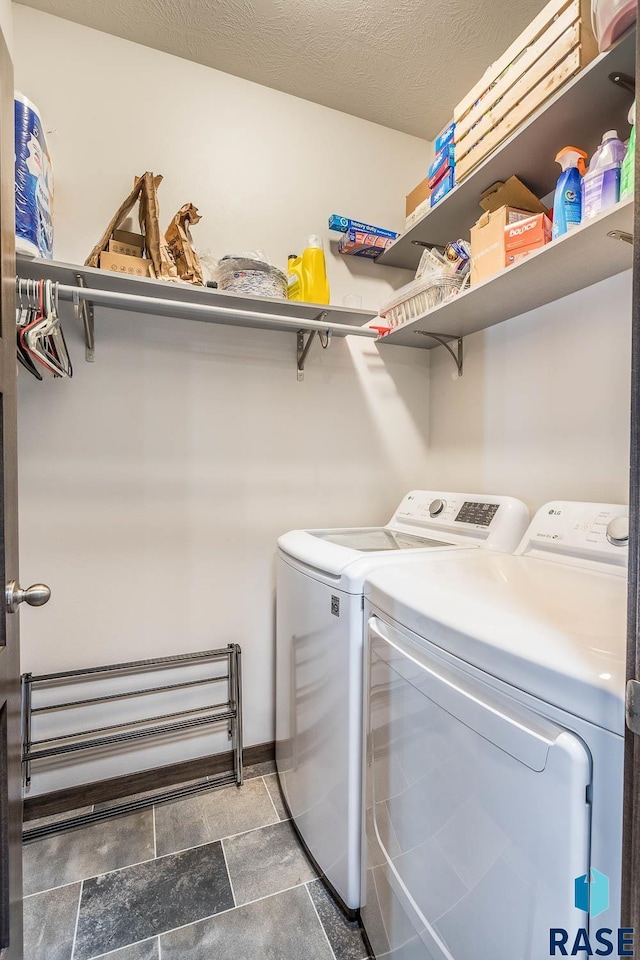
[(401, 63)]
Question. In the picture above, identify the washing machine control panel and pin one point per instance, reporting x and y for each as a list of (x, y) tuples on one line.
[(598, 532), (494, 521)]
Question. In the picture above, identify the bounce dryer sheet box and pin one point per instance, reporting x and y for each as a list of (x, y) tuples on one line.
[(522, 238), (344, 224), (357, 243), (487, 241), (132, 266)]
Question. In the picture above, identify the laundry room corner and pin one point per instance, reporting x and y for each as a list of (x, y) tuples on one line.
[(319, 480), (172, 463), (543, 408)]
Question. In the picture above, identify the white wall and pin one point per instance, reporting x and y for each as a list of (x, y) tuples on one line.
[(6, 22), (265, 169), (154, 484), (542, 411)]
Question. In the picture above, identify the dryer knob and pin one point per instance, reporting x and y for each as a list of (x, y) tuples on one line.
[(618, 531), (436, 507)]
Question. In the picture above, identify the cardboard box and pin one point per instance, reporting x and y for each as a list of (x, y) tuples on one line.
[(344, 224), (126, 249), (133, 266), (512, 193), (126, 236), (418, 213), (525, 236), (417, 196), (487, 241)]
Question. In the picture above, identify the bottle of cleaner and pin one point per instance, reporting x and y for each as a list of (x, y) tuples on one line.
[(601, 183), (308, 274), (627, 174), (294, 277), (567, 205)]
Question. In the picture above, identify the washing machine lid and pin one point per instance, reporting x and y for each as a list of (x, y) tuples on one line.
[(375, 539), (425, 520), (346, 557), (555, 631)]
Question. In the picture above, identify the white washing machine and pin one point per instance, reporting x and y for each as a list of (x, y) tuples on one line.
[(320, 634), (494, 741)]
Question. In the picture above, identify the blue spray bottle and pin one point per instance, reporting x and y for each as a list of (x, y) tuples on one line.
[(567, 205)]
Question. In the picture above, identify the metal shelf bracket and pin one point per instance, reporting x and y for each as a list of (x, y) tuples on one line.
[(303, 348), (84, 312), (457, 355), (621, 235)]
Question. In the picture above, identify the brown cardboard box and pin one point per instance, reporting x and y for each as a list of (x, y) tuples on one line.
[(131, 239), (487, 241), (419, 194), (126, 249), (512, 193), (133, 266), (522, 238)]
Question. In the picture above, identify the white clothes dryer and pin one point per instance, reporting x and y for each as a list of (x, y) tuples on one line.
[(495, 723), (320, 635)]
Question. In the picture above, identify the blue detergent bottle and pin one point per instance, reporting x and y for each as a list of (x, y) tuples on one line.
[(567, 205)]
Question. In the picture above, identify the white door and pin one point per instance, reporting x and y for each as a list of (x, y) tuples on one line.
[(319, 641), (477, 821)]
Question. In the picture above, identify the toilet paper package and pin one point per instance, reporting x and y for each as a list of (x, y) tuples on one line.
[(34, 183)]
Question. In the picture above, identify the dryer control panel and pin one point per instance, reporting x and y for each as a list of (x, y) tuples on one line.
[(494, 522), (580, 533)]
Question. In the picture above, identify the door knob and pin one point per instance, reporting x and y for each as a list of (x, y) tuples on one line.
[(36, 595)]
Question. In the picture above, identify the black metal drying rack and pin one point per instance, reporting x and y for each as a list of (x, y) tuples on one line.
[(110, 735)]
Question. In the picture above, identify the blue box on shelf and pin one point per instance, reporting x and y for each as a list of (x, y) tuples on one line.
[(445, 159), (447, 184), (344, 224), (445, 137)]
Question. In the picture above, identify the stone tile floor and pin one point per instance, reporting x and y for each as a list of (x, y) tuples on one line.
[(216, 876)]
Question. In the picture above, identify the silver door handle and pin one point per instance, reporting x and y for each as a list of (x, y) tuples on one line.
[(36, 595)]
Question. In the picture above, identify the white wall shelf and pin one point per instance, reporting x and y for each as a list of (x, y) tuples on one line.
[(580, 258), (90, 287), (578, 114)]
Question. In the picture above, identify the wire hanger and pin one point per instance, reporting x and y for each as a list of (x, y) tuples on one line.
[(41, 340)]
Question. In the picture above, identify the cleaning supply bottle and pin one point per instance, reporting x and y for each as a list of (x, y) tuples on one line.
[(627, 174), (294, 277), (308, 274), (567, 205), (601, 183)]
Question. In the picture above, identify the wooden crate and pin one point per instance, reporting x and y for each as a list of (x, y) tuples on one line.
[(554, 47)]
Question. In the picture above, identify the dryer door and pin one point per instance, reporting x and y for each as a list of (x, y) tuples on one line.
[(477, 821)]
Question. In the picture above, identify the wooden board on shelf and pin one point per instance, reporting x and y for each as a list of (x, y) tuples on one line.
[(550, 14), (577, 260), (578, 113), (552, 72), (504, 85)]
